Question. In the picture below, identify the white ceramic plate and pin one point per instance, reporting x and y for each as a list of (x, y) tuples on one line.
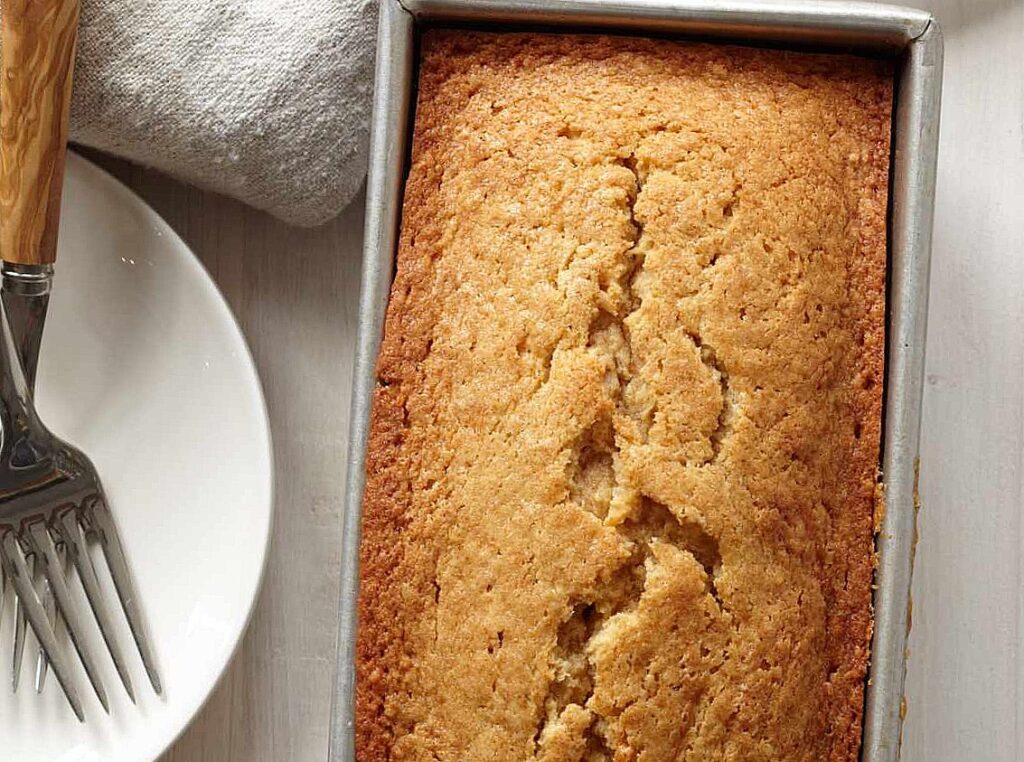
[(144, 367)]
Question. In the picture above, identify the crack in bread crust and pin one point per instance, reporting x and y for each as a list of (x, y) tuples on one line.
[(647, 522)]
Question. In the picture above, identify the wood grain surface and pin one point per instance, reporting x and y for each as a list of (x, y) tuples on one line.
[(36, 67), (294, 292)]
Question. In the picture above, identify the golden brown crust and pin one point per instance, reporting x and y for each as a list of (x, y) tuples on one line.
[(622, 463)]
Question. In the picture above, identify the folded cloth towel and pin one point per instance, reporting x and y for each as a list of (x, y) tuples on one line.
[(264, 100)]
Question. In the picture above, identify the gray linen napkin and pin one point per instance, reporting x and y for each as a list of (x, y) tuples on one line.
[(264, 100)]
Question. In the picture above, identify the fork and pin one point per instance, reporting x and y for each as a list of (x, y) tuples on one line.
[(52, 502)]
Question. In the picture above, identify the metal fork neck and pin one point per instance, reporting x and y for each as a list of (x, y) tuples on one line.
[(26, 280), (26, 295)]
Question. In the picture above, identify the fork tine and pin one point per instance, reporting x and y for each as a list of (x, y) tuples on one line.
[(49, 606), (19, 639), (41, 664), (21, 626), (103, 522), (79, 553), (10, 550), (65, 603)]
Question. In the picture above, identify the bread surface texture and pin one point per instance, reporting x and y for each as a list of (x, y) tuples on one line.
[(622, 467)]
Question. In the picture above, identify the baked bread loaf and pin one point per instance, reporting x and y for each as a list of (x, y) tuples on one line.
[(622, 467)]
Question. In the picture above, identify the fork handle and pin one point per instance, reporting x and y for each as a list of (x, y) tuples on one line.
[(36, 62)]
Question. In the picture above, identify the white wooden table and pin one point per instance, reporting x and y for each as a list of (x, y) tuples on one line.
[(294, 292)]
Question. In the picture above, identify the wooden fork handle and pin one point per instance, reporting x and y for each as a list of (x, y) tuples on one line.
[(36, 62)]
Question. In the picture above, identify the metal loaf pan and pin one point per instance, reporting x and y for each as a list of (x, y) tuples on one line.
[(910, 37)]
